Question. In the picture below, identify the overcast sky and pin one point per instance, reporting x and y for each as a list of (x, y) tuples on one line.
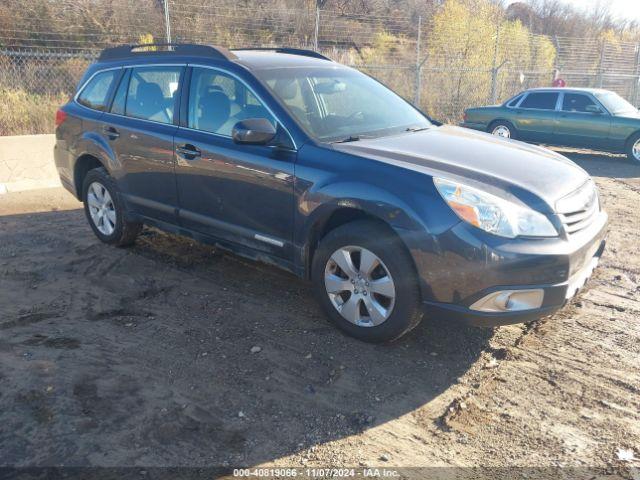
[(620, 8)]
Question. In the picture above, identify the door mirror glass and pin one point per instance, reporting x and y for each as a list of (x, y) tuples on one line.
[(253, 131), (593, 109)]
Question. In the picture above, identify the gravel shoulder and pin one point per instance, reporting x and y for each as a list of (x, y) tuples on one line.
[(143, 356)]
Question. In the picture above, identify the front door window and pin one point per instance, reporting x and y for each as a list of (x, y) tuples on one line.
[(217, 101)]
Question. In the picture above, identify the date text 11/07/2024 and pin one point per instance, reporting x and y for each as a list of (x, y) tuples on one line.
[(316, 473)]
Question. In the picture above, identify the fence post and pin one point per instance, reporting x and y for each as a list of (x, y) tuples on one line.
[(556, 60), (316, 31), (494, 69), (418, 84), (167, 21), (636, 87), (601, 65)]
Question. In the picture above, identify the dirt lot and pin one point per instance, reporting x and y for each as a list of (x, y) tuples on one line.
[(141, 356)]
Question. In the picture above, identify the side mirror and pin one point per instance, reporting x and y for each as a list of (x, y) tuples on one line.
[(594, 109), (253, 131)]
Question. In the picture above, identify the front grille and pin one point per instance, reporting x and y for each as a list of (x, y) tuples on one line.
[(578, 209)]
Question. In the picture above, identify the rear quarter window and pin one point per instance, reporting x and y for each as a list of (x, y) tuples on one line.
[(95, 94), (515, 101)]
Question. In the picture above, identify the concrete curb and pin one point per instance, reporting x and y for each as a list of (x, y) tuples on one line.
[(26, 163), (23, 185)]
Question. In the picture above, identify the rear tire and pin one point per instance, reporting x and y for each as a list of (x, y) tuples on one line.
[(104, 210), (379, 296), (502, 128), (633, 149)]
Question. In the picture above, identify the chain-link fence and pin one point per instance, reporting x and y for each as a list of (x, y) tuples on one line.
[(444, 65)]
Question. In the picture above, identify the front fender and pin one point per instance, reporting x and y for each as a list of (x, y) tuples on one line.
[(318, 205)]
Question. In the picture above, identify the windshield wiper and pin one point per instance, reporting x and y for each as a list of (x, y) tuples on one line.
[(415, 129), (350, 138)]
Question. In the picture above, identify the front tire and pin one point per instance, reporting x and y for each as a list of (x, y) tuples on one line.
[(104, 210), (365, 280), (502, 128), (633, 149)]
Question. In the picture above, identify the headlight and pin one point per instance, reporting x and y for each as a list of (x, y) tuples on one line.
[(493, 214)]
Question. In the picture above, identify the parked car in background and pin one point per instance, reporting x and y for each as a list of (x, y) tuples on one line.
[(285, 156), (572, 117)]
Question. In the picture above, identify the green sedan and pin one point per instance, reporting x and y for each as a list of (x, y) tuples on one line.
[(573, 117)]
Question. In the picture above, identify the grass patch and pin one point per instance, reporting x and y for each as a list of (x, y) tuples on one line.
[(24, 113)]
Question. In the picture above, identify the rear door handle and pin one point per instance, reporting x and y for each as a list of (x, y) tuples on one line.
[(110, 132), (188, 151)]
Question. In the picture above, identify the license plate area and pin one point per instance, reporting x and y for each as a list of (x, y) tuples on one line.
[(589, 263)]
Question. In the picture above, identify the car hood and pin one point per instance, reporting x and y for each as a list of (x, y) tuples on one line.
[(453, 152), (632, 115)]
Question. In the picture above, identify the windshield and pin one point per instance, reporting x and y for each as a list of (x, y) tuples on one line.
[(615, 103), (335, 104)]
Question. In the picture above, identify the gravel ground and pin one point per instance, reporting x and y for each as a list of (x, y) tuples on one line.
[(172, 354)]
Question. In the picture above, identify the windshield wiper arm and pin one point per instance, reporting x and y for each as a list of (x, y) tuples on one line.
[(350, 138), (415, 129)]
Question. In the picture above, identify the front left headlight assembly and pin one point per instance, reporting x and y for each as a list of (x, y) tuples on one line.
[(493, 214)]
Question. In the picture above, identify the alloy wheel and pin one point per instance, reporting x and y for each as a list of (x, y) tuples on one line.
[(359, 286), (502, 131), (101, 208), (635, 150)]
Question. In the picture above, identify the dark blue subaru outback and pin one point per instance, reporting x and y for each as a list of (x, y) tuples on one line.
[(284, 156)]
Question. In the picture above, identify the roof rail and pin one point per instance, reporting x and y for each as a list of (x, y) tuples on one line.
[(290, 51), (129, 51)]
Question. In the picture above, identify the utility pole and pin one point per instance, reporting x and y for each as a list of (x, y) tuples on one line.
[(316, 31), (167, 21), (636, 87), (418, 85), (601, 66), (495, 68)]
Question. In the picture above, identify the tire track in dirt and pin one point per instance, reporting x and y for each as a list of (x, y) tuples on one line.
[(163, 368), (571, 354)]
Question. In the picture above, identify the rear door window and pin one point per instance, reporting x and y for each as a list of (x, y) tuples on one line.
[(152, 93), (95, 94), (540, 101), (120, 98)]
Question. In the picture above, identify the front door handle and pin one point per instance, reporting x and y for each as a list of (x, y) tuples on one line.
[(110, 132), (188, 151)]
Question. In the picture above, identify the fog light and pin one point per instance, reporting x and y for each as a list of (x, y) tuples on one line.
[(510, 301)]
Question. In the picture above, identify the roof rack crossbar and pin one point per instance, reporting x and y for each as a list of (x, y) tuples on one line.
[(129, 51), (291, 51)]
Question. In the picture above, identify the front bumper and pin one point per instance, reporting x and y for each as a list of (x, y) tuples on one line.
[(559, 267)]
